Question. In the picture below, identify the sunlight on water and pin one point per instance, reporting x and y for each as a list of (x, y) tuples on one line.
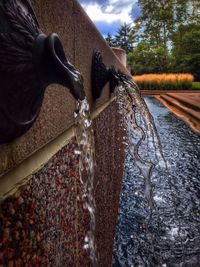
[(85, 151), (168, 234), (142, 134)]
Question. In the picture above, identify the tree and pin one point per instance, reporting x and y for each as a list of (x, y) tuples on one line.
[(125, 37), (194, 11), (156, 20), (180, 12), (169, 37), (147, 58), (159, 19), (110, 40), (186, 49)]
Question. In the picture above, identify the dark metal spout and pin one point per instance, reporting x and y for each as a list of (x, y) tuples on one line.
[(52, 65), (29, 62), (66, 73), (101, 74)]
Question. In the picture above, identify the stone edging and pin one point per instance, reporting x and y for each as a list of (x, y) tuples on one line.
[(12, 180)]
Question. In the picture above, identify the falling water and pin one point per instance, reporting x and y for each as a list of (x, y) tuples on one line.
[(141, 136), (158, 222), (85, 151), (141, 131)]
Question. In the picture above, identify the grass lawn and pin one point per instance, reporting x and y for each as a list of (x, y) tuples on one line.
[(196, 85)]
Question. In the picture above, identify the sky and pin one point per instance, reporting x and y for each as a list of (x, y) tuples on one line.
[(108, 15)]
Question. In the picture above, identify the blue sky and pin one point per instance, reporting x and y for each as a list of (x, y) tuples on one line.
[(108, 15)]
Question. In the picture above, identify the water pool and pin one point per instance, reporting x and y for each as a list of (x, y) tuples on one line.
[(170, 235)]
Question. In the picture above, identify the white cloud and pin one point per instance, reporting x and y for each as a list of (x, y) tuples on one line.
[(96, 13)]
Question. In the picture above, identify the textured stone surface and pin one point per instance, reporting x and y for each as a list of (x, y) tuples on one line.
[(110, 159), (38, 222), (44, 224), (79, 37), (121, 54)]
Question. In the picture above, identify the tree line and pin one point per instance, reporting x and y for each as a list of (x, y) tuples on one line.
[(165, 37)]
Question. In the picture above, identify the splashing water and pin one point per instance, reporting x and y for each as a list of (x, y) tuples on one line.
[(141, 136), (85, 151), (172, 236), (141, 133)]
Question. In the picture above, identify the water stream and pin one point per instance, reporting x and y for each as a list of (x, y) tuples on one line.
[(85, 151), (159, 222), (141, 135)]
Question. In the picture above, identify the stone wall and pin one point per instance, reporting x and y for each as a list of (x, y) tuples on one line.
[(121, 54), (42, 221)]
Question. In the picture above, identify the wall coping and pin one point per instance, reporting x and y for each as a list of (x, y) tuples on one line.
[(11, 181)]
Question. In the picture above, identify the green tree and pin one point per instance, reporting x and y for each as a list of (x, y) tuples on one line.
[(147, 58), (156, 20), (161, 18), (110, 40), (125, 37), (180, 12), (194, 7), (186, 49), (169, 37)]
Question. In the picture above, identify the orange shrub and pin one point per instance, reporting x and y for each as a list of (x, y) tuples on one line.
[(164, 81)]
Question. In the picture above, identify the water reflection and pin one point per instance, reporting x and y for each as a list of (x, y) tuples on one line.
[(172, 236)]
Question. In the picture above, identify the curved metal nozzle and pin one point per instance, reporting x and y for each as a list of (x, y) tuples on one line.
[(66, 73)]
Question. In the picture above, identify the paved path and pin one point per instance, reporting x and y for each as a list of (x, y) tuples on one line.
[(184, 104)]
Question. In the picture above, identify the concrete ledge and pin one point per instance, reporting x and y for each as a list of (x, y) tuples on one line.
[(11, 181), (121, 54)]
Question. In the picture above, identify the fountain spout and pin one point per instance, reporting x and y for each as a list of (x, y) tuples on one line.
[(101, 74), (52, 66), (29, 62)]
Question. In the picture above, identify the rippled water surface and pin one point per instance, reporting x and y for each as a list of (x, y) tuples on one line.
[(168, 235)]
